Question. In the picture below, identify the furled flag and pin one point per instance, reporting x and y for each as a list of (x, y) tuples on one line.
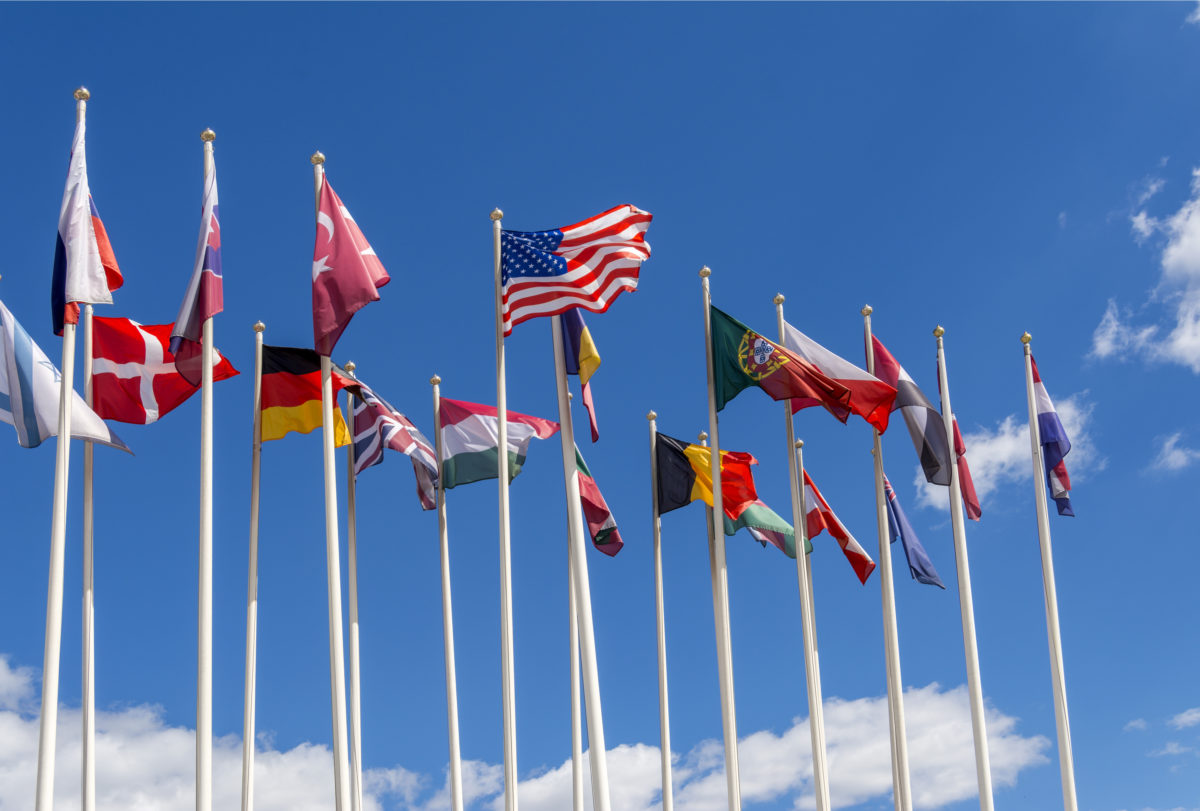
[(919, 564), (85, 268), (204, 297), (965, 485), (347, 274), (926, 428), (820, 517), (1055, 445), (870, 397), (135, 378), (377, 425), (743, 357), (291, 393), (584, 265), (596, 514), (471, 441), (582, 359), (30, 388)]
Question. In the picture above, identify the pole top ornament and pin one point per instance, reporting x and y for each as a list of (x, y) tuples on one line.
[(433, 381), (82, 94), (938, 332), (259, 326), (651, 415), (867, 309), (705, 272), (799, 444), (779, 298), (702, 436), (497, 214), (208, 135), (1026, 338), (350, 366), (317, 158)]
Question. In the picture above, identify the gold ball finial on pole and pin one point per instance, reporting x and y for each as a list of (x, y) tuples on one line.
[(317, 158), (938, 332), (705, 272), (350, 367), (651, 415), (1026, 338), (867, 309), (82, 94), (497, 214), (208, 135), (435, 380), (779, 298), (703, 435), (799, 444), (259, 326)]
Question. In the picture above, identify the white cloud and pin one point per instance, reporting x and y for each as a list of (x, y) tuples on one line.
[(1194, 17), (1172, 748), (1143, 226), (1150, 186), (1062, 219), (1173, 457), (1135, 724), (1187, 718)]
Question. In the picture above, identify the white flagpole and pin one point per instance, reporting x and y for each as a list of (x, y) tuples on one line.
[(576, 729), (252, 583), (337, 656), (507, 675), (456, 789), (1066, 760), (983, 767), (44, 799), (352, 565), (720, 574), (902, 789), (808, 625), (88, 699), (664, 715), (597, 755)]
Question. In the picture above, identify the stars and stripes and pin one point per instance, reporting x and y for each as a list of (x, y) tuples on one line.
[(377, 425), (205, 296), (1055, 445)]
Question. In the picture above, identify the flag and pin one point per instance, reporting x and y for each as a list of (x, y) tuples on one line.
[(599, 519), (204, 296), (684, 476), (870, 397), (742, 358), (919, 564), (582, 359), (820, 517), (767, 527), (585, 265), (291, 393), (965, 485), (471, 441), (135, 378), (346, 271), (377, 425), (85, 268), (1055, 445), (30, 386)]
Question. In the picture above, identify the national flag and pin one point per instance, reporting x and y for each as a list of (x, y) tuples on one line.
[(965, 485), (135, 377), (684, 476), (30, 387), (346, 271), (767, 527), (582, 359), (1055, 445), (204, 297), (85, 268), (471, 441), (584, 265), (596, 514), (821, 517), (870, 397), (919, 564), (377, 425), (291, 393), (743, 357)]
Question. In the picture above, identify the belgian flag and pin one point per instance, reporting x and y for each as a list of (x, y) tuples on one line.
[(291, 393)]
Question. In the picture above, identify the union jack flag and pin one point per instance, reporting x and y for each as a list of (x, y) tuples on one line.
[(377, 425)]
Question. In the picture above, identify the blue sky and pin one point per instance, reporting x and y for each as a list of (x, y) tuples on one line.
[(993, 168)]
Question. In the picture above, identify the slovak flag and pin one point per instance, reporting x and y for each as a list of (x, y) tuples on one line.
[(85, 268), (1055, 445), (205, 296), (346, 271)]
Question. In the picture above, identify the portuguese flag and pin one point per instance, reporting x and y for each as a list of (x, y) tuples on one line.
[(291, 393), (471, 441)]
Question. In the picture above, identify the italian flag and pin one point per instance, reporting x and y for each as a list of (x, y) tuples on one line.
[(471, 441)]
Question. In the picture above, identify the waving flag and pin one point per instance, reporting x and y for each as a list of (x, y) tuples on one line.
[(1055, 445), (821, 517), (582, 359), (585, 265), (767, 527), (683, 476), (870, 397), (346, 271), (596, 514), (377, 426), (204, 297), (919, 564), (471, 441), (291, 393)]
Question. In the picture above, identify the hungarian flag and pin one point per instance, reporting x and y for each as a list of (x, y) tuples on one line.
[(471, 441), (599, 519), (870, 397), (134, 374), (821, 517), (291, 394), (743, 357), (1055, 445), (204, 297), (582, 359), (346, 271), (919, 564)]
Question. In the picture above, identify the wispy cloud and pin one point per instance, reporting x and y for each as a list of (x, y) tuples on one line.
[(1187, 718), (1172, 457), (1172, 748), (1194, 17), (1135, 724)]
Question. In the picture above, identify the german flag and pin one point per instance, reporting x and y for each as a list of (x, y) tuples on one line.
[(291, 393)]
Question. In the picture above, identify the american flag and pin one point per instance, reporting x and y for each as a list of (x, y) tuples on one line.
[(585, 265), (377, 425)]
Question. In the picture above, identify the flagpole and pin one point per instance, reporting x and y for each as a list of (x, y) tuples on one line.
[(88, 699), (456, 789), (983, 766), (576, 729), (808, 625), (597, 755), (507, 675), (352, 565), (664, 716), (252, 583), (720, 574), (902, 788), (333, 574), (1066, 760), (44, 799)]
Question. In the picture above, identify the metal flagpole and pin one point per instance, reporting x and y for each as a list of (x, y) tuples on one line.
[(808, 625), (44, 799), (576, 729), (597, 755), (983, 766), (352, 565), (456, 789), (664, 716), (337, 657), (88, 699), (1066, 760), (252, 583), (902, 789), (507, 675)]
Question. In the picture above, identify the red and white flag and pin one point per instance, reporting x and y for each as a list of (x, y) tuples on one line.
[(134, 378), (346, 271), (870, 397), (820, 517)]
